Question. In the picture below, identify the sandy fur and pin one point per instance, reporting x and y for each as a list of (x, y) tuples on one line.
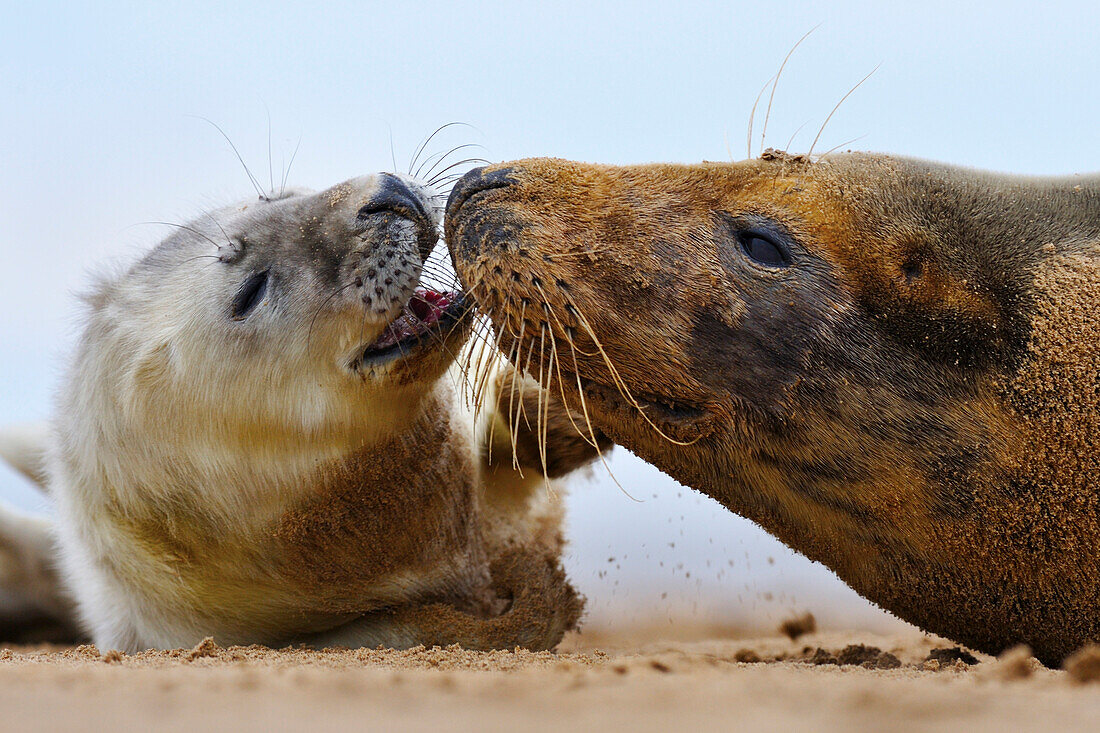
[(247, 478), (912, 402)]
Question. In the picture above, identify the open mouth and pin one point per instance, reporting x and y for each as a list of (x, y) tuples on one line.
[(426, 312)]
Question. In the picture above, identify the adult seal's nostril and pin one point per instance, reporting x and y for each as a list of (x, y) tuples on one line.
[(469, 225), (394, 195), (474, 182)]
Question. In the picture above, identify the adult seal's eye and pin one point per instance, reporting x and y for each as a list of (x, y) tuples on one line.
[(250, 295), (750, 242), (762, 250)]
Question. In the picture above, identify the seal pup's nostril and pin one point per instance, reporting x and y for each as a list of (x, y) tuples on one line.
[(395, 196)]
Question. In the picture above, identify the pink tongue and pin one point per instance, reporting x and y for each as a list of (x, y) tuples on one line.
[(423, 309), (428, 305)]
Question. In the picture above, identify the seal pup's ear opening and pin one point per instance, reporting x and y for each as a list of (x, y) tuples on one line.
[(23, 447)]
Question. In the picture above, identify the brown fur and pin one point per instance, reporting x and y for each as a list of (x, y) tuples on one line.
[(372, 533), (542, 606), (913, 401), (564, 453), (251, 445)]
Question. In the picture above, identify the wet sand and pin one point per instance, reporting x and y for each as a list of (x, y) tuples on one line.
[(630, 680)]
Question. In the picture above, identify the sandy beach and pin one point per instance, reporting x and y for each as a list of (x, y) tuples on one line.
[(599, 679)]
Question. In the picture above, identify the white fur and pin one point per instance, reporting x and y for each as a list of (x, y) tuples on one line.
[(171, 410), (23, 446)]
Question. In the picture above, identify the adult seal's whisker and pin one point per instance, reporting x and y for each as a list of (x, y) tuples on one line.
[(890, 364)]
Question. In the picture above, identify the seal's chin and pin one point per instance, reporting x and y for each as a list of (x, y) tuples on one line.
[(676, 418), (427, 316)]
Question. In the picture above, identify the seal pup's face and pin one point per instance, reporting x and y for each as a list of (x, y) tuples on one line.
[(294, 321), (850, 352)]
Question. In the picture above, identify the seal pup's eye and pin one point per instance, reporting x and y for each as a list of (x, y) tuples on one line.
[(761, 249), (250, 295)]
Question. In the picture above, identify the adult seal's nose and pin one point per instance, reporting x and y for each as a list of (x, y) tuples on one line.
[(394, 195), (474, 182)]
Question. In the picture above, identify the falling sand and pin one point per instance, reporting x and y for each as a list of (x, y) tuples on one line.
[(632, 680)]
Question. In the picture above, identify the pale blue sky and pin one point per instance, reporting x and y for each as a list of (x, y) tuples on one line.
[(98, 134)]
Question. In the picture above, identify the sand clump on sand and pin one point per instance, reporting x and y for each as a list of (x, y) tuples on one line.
[(798, 626), (1084, 664), (1016, 663), (628, 678), (861, 655)]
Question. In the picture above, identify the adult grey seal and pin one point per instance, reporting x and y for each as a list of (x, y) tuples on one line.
[(892, 365)]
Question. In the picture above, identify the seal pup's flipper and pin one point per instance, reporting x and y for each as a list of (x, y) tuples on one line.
[(543, 605), (23, 447), (535, 428), (34, 606)]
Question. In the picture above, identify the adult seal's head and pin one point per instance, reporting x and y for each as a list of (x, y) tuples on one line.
[(890, 364)]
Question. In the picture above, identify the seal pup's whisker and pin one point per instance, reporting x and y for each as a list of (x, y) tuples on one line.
[(478, 341), (430, 160), (270, 161), (431, 171), (481, 359), (252, 178), (286, 172), (452, 166), (493, 423), (228, 239), (466, 363), (449, 180), (486, 370), (201, 257), (441, 128), (436, 160), (393, 152), (185, 228)]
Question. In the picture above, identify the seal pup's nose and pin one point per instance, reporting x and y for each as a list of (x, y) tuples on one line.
[(394, 195)]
